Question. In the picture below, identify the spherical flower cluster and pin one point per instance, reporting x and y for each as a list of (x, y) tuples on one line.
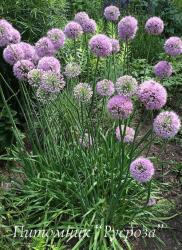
[(129, 134), (86, 140), (81, 17), (34, 77), (8, 34), (13, 53), (44, 96), (15, 36), (173, 46), (142, 169), (152, 94), (167, 124), (52, 82), (127, 28), (57, 38), (120, 107), (105, 88), (49, 63), (112, 13), (154, 26), (83, 92), (163, 69), (72, 70), (115, 46), (21, 69), (73, 30), (126, 85), (29, 51), (89, 26), (100, 45), (44, 47)]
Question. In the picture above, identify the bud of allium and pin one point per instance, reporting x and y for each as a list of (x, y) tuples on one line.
[(120, 107), (126, 85), (83, 92), (73, 30), (86, 140), (81, 17), (129, 134), (127, 28), (13, 53), (112, 13), (21, 69), (167, 124), (142, 169), (44, 47), (57, 38), (89, 26), (173, 46), (52, 82), (34, 77), (154, 26), (115, 46), (45, 97), (5, 32), (152, 94), (151, 202), (100, 45), (105, 88), (163, 69), (72, 70), (49, 63)]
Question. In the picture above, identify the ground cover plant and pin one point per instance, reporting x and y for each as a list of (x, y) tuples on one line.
[(84, 160)]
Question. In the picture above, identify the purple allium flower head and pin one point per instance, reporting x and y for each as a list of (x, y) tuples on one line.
[(100, 45), (152, 94), (126, 85), (49, 63), (52, 82), (5, 33), (105, 88), (173, 46), (44, 47), (34, 77), (120, 107), (129, 134), (81, 17), (142, 169), (15, 36), (73, 30), (127, 28), (29, 51), (21, 69), (57, 37), (112, 13), (167, 124), (83, 92), (72, 70), (13, 53), (86, 140), (163, 69), (154, 26), (45, 97), (115, 46), (89, 26)]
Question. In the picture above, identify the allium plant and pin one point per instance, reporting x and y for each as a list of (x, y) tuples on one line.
[(89, 166)]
